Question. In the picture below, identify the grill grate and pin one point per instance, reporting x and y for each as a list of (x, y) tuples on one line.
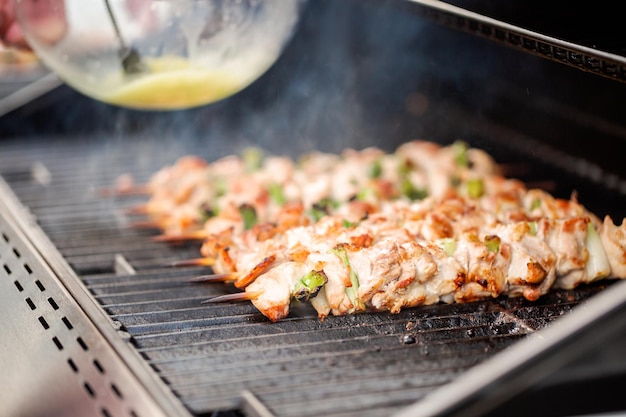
[(210, 356)]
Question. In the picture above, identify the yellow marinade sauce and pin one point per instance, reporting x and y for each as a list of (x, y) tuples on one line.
[(172, 83)]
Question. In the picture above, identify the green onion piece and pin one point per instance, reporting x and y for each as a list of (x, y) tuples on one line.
[(455, 181), (493, 243), (353, 291), (447, 244), (322, 208), (411, 192), (460, 153), (404, 168), (309, 285), (347, 224), (375, 170), (533, 228), (327, 204), (252, 158), (206, 212), (248, 214), (365, 193), (597, 265), (535, 204), (316, 214), (220, 187), (475, 187), (276, 193)]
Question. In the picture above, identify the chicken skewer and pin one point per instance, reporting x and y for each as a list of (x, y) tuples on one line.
[(430, 219), (516, 259), (549, 248), (188, 193)]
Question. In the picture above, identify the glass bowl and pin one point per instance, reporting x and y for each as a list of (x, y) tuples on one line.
[(158, 54)]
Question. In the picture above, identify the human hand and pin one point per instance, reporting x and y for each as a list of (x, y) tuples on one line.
[(10, 33), (46, 20)]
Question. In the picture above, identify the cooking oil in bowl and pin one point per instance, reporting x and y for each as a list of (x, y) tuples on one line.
[(172, 83)]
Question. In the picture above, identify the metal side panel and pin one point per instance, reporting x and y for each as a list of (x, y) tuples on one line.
[(61, 355)]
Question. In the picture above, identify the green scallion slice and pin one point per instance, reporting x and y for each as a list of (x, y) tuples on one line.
[(475, 187), (309, 285), (460, 153), (353, 291), (375, 170), (248, 215), (447, 244), (277, 193), (493, 243)]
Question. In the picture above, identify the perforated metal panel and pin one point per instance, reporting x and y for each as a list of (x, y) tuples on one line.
[(55, 360)]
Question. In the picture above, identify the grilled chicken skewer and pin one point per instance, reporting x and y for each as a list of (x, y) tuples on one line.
[(364, 273), (448, 249), (188, 193), (430, 219)]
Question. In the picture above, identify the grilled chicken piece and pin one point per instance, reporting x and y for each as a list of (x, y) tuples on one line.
[(532, 263), (578, 259), (485, 264), (275, 289), (427, 276), (613, 240)]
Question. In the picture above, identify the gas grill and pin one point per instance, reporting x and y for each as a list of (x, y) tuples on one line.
[(96, 321)]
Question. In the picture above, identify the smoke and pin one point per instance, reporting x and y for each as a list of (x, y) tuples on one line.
[(357, 73), (347, 70)]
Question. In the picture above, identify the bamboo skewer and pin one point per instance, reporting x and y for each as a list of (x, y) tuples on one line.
[(239, 296)]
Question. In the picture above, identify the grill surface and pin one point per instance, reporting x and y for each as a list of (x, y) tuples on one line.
[(210, 355)]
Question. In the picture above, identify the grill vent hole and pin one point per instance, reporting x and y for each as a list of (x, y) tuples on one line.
[(18, 286), (53, 303), (82, 343), (57, 342), (30, 303), (67, 323), (105, 412), (40, 285), (89, 390), (5, 237), (72, 365), (116, 391), (7, 269), (44, 323), (98, 366), (17, 253), (27, 268)]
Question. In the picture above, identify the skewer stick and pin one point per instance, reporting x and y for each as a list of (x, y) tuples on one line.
[(194, 262), (132, 190), (214, 278), (138, 209), (145, 224), (197, 235), (238, 296)]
